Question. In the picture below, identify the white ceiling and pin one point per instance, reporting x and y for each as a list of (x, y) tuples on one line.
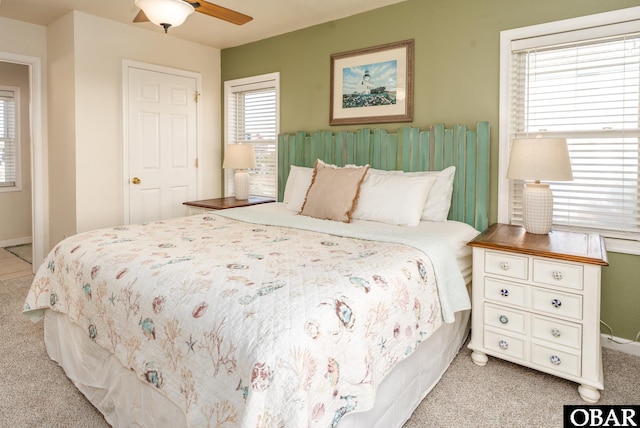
[(270, 17)]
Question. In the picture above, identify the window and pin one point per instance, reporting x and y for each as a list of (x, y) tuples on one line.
[(580, 80), (251, 117), (9, 149)]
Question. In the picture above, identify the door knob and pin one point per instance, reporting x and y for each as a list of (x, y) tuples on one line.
[(136, 180)]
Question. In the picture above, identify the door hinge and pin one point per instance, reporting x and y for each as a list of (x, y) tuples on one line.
[(197, 96), (196, 162)]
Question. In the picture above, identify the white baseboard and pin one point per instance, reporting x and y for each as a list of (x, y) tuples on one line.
[(15, 241), (627, 346)]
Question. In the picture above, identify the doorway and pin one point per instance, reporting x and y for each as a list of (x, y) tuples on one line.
[(37, 161)]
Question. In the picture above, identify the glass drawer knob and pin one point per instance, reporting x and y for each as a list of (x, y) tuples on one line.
[(557, 275), (556, 303), (555, 360), (505, 265), (555, 332), (503, 319), (503, 344), (504, 292)]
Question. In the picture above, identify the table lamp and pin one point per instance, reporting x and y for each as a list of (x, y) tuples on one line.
[(240, 157), (539, 159)]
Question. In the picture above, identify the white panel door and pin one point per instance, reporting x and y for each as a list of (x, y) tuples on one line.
[(162, 144)]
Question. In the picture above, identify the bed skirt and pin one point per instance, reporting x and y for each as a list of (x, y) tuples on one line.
[(124, 400)]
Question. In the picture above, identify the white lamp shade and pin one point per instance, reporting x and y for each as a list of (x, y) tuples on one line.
[(239, 156), (165, 12), (540, 159)]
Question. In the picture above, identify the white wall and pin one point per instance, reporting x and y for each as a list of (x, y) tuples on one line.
[(98, 49), (61, 131)]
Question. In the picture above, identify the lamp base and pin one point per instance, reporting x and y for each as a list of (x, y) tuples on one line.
[(537, 208), (241, 184)]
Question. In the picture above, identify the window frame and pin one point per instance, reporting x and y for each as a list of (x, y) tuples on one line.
[(589, 24), (258, 82), (17, 187)]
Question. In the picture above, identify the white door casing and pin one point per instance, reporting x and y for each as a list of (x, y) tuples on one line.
[(39, 167), (160, 153)]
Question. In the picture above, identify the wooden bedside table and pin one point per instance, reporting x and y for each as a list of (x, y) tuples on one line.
[(536, 302), (223, 203)]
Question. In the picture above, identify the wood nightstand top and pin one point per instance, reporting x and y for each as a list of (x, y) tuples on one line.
[(228, 202), (577, 247)]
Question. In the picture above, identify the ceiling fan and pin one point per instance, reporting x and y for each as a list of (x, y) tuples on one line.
[(171, 13)]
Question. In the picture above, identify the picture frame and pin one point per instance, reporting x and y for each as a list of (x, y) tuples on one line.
[(372, 85)]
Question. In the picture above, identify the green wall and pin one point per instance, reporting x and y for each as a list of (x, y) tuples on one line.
[(456, 72)]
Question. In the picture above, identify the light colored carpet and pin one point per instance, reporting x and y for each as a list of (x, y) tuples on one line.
[(34, 392)]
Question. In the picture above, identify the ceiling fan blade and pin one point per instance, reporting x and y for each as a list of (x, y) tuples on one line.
[(220, 12), (141, 17)]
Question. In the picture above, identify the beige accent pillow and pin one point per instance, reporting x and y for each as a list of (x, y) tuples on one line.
[(333, 194)]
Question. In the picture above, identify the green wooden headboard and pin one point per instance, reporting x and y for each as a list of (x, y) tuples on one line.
[(408, 149)]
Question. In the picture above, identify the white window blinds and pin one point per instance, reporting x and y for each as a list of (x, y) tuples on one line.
[(8, 150), (252, 118), (586, 91)]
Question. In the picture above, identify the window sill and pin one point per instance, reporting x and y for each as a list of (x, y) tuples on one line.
[(622, 246), (10, 189)]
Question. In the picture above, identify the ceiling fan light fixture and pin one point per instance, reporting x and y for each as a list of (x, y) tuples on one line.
[(166, 13)]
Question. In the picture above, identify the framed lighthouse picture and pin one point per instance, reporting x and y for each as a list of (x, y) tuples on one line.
[(372, 85)]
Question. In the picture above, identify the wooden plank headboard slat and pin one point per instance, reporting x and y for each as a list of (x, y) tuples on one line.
[(438, 147), (458, 154), (408, 149), (423, 155), (404, 139), (447, 156), (482, 183), (470, 180), (378, 154), (404, 156)]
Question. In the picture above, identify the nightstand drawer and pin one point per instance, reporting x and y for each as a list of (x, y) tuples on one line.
[(560, 274), (554, 359), (557, 303), (504, 292), (555, 331), (504, 318), (506, 265), (504, 344)]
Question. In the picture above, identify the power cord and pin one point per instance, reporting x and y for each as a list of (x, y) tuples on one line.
[(637, 339)]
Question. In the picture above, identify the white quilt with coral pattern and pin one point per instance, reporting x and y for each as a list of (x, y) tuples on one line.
[(247, 324)]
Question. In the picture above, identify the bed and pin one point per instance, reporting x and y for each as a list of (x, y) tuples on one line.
[(275, 315)]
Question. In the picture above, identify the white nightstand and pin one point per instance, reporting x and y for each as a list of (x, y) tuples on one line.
[(536, 302)]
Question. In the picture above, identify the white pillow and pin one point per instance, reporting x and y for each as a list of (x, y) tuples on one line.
[(393, 198), (288, 187), (291, 179), (439, 200), (301, 182)]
